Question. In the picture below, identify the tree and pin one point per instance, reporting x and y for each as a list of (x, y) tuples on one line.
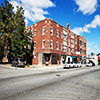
[(12, 30), (17, 41), (98, 54), (92, 54), (6, 25)]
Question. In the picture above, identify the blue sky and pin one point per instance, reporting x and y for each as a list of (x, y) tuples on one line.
[(82, 15)]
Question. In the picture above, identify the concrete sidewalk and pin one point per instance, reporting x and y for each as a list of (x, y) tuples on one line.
[(9, 71), (42, 67), (17, 72)]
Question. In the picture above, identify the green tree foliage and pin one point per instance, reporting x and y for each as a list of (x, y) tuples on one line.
[(92, 54), (98, 54), (6, 25), (17, 40), (13, 36)]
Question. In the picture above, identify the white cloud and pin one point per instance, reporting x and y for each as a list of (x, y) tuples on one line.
[(95, 46), (14, 4), (79, 30), (87, 6), (89, 50), (35, 10), (89, 44), (95, 23)]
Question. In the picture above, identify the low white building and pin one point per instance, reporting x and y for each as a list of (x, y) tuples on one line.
[(93, 59)]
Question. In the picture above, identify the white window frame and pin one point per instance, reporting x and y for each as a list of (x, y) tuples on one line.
[(57, 32), (51, 42), (72, 50), (72, 41), (43, 44), (76, 42), (64, 37), (64, 48), (43, 30), (61, 35), (51, 31), (57, 48)]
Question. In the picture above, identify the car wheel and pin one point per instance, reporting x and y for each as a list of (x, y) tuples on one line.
[(15, 65)]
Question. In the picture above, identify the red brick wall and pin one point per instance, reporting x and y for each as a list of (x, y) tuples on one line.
[(48, 23)]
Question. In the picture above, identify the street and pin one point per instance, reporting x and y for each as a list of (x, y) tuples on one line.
[(57, 84)]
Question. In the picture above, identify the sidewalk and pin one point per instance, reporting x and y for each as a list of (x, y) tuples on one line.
[(35, 67), (16, 71)]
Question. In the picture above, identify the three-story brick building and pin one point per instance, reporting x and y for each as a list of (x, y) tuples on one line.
[(56, 44)]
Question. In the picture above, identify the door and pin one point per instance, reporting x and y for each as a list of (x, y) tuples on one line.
[(40, 58)]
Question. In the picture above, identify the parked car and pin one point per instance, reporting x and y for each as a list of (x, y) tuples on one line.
[(18, 63), (79, 64), (70, 65), (73, 65), (88, 64), (66, 66)]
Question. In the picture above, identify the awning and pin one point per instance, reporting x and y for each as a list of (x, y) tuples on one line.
[(73, 56)]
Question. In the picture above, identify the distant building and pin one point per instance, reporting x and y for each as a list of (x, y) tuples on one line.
[(56, 44), (95, 60)]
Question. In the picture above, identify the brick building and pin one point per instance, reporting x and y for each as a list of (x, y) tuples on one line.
[(56, 44)]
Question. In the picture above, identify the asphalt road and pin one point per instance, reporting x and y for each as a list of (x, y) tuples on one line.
[(82, 84)]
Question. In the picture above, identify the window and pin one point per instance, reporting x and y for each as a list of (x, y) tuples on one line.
[(75, 41), (84, 51), (43, 31), (64, 37), (51, 31), (57, 46), (84, 44), (72, 41), (72, 50), (43, 44), (80, 51), (64, 47), (51, 44), (35, 32), (81, 43), (61, 46), (57, 34), (34, 44)]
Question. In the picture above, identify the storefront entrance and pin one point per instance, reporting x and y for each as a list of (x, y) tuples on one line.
[(54, 60), (50, 58)]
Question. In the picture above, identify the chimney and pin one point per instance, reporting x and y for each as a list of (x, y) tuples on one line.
[(68, 28)]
